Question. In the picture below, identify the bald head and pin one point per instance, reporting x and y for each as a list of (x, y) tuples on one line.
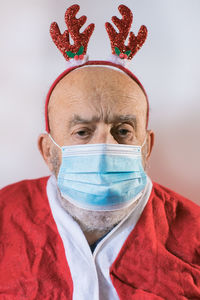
[(96, 95)]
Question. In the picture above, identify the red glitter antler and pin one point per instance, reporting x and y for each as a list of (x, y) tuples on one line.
[(79, 48), (118, 39)]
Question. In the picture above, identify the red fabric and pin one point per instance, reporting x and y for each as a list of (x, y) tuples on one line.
[(161, 257), (32, 257), (89, 63), (159, 260)]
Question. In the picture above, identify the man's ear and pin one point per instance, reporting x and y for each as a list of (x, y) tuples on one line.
[(150, 142), (44, 146)]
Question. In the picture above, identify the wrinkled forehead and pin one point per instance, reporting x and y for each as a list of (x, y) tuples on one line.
[(89, 80)]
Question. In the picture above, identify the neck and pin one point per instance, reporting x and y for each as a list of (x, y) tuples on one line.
[(93, 236), (96, 224)]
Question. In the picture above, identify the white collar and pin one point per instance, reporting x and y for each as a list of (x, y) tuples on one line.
[(90, 273)]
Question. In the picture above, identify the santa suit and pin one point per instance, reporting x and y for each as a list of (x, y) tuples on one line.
[(154, 253)]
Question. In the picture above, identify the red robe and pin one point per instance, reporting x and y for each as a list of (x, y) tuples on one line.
[(159, 260)]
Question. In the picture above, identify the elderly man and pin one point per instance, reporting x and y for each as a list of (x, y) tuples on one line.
[(97, 228), (54, 249)]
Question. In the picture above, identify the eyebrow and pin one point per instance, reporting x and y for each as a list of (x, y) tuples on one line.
[(125, 119), (115, 119)]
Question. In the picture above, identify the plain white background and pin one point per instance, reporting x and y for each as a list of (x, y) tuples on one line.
[(168, 65)]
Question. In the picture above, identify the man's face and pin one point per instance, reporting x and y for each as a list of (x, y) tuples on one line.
[(95, 105)]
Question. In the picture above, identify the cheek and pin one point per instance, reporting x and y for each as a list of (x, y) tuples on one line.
[(144, 157), (56, 160), (144, 162)]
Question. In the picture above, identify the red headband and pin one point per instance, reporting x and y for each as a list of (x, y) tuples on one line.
[(76, 53)]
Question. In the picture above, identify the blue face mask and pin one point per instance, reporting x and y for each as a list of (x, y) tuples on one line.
[(101, 176)]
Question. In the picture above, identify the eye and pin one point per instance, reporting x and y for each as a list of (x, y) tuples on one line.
[(83, 133), (123, 133)]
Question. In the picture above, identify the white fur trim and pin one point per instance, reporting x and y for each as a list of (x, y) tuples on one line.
[(117, 60), (73, 62)]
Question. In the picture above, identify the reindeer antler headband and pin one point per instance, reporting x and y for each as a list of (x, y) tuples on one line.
[(78, 50), (75, 54)]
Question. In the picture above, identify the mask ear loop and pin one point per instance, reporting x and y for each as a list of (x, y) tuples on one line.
[(144, 141), (54, 141), (144, 144)]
